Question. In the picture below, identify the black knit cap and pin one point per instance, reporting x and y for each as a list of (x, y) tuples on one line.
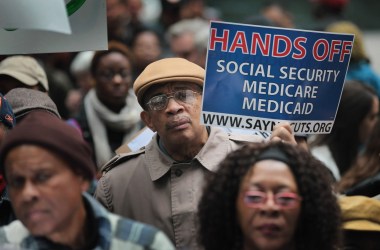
[(48, 131)]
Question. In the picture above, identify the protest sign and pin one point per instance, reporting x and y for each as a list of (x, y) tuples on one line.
[(40, 26), (37, 18), (259, 76)]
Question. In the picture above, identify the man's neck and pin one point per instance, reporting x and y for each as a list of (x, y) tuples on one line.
[(185, 152)]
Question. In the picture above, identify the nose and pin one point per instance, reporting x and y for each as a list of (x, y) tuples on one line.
[(117, 79), (173, 106), (29, 192), (270, 206)]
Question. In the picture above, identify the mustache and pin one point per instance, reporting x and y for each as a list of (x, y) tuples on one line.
[(177, 120)]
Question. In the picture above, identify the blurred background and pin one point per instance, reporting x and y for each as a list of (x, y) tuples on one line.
[(364, 13)]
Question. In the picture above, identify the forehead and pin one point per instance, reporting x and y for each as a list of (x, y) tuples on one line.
[(113, 56), (270, 173), (170, 87), (25, 158), (146, 37)]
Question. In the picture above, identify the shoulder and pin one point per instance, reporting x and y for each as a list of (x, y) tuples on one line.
[(139, 234), (120, 159), (116, 176)]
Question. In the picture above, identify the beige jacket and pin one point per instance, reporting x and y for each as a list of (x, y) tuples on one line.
[(148, 186)]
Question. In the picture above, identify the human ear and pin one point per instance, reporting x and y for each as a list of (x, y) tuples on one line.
[(147, 119), (85, 185)]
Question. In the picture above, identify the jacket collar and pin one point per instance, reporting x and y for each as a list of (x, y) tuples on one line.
[(214, 151)]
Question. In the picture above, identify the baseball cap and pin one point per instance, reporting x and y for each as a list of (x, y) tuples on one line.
[(26, 69)]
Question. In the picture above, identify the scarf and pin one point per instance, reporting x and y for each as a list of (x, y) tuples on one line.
[(99, 117)]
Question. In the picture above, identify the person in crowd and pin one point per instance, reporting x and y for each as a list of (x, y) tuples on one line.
[(117, 20), (80, 71), (110, 114), (188, 39), (7, 122), (189, 9), (326, 12), (28, 72), (356, 116), (123, 20), (17, 104), (170, 13), (361, 222), (57, 67), (360, 67), (269, 196), (22, 72), (146, 48), (24, 101), (47, 178), (278, 14), (363, 178), (161, 184)]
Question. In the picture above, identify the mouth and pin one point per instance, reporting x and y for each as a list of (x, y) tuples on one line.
[(119, 94), (269, 230), (34, 215), (178, 123)]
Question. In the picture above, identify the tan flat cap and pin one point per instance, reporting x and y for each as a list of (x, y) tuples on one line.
[(168, 70)]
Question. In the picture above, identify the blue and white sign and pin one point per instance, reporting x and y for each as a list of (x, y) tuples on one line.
[(259, 76)]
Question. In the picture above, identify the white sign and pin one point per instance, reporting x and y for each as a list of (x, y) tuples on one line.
[(38, 26), (32, 15)]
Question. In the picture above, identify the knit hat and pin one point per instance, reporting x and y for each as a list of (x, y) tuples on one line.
[(24, 100), (48, 131), (25, 69), (360, 213), (6, 115), (165, 71)]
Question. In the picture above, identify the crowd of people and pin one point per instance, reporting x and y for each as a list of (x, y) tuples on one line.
[(63, 117)]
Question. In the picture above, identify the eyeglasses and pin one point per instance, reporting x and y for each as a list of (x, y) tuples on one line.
[(109, 75), (160, 102), (285, 200)]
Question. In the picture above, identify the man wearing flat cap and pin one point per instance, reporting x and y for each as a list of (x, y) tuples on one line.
[(48, 169), (162, 183)]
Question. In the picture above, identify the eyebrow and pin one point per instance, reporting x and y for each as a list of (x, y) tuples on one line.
[(276, 188)]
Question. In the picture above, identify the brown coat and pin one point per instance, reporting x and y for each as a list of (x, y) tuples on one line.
[(148, 186)]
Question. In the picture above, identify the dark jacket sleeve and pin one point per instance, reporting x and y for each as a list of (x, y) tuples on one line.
[(369, 187)]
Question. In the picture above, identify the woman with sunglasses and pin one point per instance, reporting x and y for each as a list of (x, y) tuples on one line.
[(269, 196)]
